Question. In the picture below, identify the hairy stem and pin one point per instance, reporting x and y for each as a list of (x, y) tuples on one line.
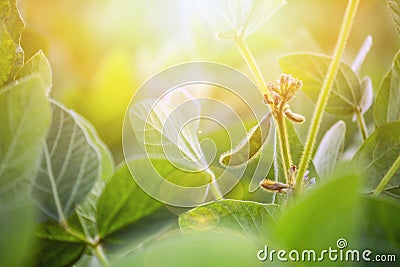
[(386, 179), (279, 118), (361, 124), (284, 143), (251, 63), (348, 19)]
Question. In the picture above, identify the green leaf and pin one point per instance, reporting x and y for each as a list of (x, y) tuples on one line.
[(17, 226), (362, 53), (329, 149), (69, 168), (37, 65), (321, 216), (24, 120), (55, 253), (122, 202), (51, 230), (245, 217), (196, 250), (165, 132), (394, 6), (107, 160), (379, 229), (250, 145), (311, 68), (11, 54), (387, 103), (377, 154), (238, 17)]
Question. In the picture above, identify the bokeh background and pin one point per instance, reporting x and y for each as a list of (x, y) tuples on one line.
[(101, 51)]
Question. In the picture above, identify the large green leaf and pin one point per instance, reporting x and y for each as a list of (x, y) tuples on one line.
[(311, 68), (394, 6), (321, 216), (379, 228), (69, 168), (11, 27), (237, 17), (122, 202), (377, 154), (387, 103), (24, 119), (17, 226), (196, 250), (329, 149), (246, 217), (55, 253), (107, 160)]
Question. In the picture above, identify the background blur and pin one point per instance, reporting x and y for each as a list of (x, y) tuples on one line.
[(101, 51)]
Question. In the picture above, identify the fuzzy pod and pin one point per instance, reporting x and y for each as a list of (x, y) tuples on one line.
[(249, 146)]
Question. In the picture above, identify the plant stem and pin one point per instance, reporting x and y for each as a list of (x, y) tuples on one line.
[(386, 179), (99, 252), (361, 124), (251, 63), (279, 118), (351, 10), (284, 143)]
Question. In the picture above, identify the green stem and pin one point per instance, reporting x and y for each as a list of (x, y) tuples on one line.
[(279, 118), (79, 236), (325, 91), (386, 179), (251, 63), (361, 124), (284, 143), (99, 252)]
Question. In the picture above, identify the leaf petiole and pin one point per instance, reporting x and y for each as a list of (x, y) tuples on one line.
[(386, 179), (361, 124)]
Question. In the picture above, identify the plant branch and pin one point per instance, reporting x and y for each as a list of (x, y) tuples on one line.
[(348, 19), (284, 143), (386, 179), (361, 124), (251, 63), (279, 118), (99, 252)]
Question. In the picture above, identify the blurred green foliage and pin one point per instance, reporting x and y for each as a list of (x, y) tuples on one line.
[(101, 51)]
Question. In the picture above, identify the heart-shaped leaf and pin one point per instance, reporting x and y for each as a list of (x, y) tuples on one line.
[(329, 149), (387, 103), (311, 68), (237, 17), (122, 202), (69, 168), (377, 154), (24, 120), (246, 217)]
